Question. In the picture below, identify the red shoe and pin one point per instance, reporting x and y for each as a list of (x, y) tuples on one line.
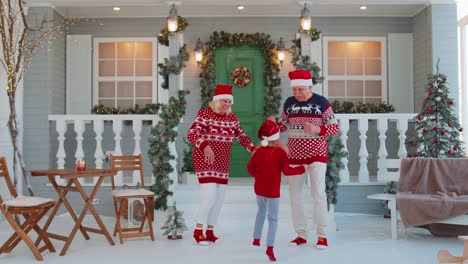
[(256, 242), (270, 253), (322, 243), (199, 237), (210, 236), (298, 241)]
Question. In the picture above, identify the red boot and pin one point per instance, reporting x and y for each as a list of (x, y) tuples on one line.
[(199, 237), (210, 236), (270, 253), (256, 242)]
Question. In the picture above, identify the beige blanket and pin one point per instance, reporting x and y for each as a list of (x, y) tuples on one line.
[(432, 190)]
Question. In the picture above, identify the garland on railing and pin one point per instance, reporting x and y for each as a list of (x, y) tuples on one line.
[(163, 38), (173, 65), (258, 40), (162, 134), (149, 109), (349, 107)]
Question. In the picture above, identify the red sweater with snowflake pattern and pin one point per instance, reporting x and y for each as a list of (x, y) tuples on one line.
[(266, 165), (218, 131), (307, 148)]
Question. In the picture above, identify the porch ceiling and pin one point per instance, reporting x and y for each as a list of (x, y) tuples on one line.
[(227, 8)]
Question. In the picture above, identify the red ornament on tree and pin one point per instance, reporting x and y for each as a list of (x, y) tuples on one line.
[(451, 102), (415, 143), (435, 128), (435, 140), (461, 129), (430, 92), (450, 152), (442, 132), (455, 148), (430, 111), (450, 124), (424, 130), (419, 118), (416, 155)]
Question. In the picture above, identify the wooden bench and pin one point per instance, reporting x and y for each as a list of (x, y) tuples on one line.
[(392, 204)]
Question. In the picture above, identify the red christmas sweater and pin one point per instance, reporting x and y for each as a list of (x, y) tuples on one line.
[(307, 148), (266, 165), (218, 131)]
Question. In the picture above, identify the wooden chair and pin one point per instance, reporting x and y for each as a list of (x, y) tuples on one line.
[(32, 209), (131, 163)]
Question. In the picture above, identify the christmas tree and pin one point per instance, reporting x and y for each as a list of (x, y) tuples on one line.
[(175, 223), (437, 128)]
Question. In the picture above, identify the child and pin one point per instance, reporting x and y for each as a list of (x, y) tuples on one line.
[(266, 165)]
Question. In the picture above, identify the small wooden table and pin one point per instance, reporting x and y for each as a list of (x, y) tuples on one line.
[(72, 175)]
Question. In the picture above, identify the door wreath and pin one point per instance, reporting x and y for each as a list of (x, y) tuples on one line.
[(240, 76)]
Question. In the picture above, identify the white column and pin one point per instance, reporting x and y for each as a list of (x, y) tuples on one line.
[(344, 128), (137, 124), (117, 127), (382, 127), (363, 174), (98, 155)]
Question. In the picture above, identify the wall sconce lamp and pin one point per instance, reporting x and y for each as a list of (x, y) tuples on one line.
[(280, 48), (306, 19), (173, 19), (200, 46)]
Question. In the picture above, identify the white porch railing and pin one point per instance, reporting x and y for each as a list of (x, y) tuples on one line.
[(383, 163), (97, 121), (354, 132)]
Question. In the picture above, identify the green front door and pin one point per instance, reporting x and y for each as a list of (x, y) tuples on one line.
[(248, 100)]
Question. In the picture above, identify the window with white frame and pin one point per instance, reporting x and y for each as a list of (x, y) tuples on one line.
[(355, 69), (124, 72), (463, 73)]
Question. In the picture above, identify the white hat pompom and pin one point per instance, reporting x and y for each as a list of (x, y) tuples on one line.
[(264, 143)]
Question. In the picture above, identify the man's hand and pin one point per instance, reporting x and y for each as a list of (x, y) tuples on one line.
[(309, 128), (209, 155)]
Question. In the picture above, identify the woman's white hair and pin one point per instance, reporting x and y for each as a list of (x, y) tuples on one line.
[(216, 104)]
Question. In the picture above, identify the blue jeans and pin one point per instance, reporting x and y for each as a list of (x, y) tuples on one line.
[(271, 205)]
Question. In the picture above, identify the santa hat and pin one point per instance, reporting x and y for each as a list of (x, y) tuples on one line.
[(268, 131), (300, 78), (223, 91)]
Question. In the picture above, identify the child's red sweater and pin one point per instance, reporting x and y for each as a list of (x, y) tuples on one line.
[(266, 165)]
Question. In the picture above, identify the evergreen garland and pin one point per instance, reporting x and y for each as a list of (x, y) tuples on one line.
[(257, 40), (335, 150), (149, 109), (161, 135), (437, 128), (173, 65), (348, 107)]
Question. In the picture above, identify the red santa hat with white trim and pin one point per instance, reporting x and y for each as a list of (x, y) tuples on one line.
[(223, 91), (268, 131), (300, 78)]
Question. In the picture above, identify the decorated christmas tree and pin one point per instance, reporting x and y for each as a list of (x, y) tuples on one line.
[(437, 128), (175, 223)]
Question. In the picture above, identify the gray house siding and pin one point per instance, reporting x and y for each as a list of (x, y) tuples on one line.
[(44, 94), (444, 41)]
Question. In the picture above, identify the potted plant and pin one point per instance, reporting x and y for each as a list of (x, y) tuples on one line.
[(187, 170)]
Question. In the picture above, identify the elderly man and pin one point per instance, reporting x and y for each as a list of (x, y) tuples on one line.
[(309, 119)]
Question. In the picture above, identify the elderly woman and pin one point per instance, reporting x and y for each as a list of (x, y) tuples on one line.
[(212, 133)]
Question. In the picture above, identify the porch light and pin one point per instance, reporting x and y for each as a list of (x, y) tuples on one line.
[(306, 19), (281, 51), (173, 19), (199, 51)]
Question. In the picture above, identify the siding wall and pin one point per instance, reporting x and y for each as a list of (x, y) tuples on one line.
[(44, 94)]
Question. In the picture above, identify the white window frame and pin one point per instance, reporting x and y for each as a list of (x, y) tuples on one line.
[(97, 79), (383, 78)]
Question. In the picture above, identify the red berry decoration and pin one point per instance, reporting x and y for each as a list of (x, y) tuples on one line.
[(450, 124), (450, 152), (436, 140), (424, 130), (430, 111), (435, 128), (455, 147), (430, 92), (442, 132), (451, 102), (461, 129)]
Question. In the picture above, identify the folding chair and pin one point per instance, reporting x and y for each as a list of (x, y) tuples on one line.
[(32, 209), (131, 163)]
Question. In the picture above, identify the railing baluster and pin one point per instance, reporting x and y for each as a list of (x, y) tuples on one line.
[(402, 126), (344, 128), (137, 124), (363, 174), (98, 155), (79, 129), (61, 128), (382, 127), (117, 127)]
